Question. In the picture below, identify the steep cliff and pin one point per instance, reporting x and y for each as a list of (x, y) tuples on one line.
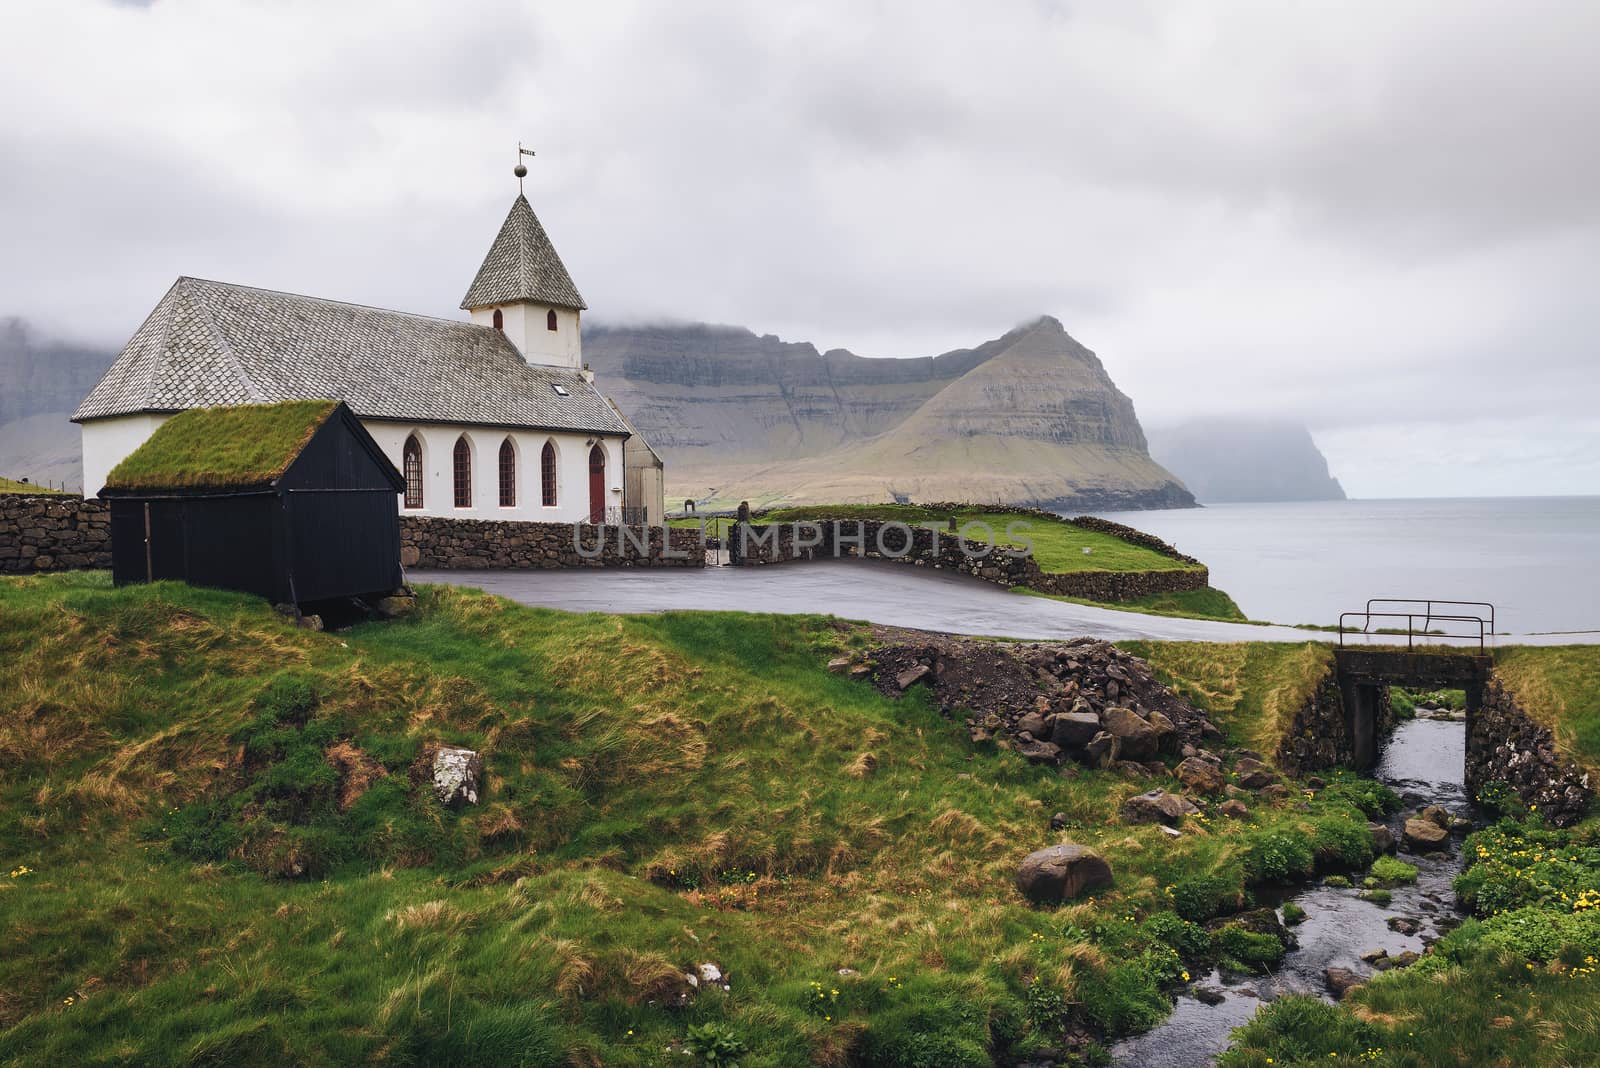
[(1028, 418), (1223, 460), (41, 382)]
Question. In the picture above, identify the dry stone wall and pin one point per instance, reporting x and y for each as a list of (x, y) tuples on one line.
[(755, 544), (1506, 745), (438, 542), (53, 533)]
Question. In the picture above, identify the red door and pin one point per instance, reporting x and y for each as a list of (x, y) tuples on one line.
[(597, 485)]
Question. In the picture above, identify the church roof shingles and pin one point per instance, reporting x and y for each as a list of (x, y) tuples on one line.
[(211, 343), (522, 264)]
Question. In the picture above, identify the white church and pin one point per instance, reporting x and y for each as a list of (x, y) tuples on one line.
[(492, 418)]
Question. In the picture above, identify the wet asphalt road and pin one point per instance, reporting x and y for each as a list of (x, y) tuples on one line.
[(872, 590)]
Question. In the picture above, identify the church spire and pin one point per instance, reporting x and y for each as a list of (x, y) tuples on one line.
[(522, 265)]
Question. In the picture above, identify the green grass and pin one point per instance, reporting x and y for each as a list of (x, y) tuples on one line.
[(220, 448), (1560, 687), (11, 485), (1520, 986), (1058, 545), (1206, 603), (660, 791), (1251, 690)]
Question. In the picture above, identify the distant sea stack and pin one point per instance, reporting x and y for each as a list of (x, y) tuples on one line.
[(1029, 418), (1225, 460)]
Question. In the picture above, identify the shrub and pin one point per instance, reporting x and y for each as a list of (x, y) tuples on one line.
[(1250, 948), (1189, 939), (1513, 865), (1278, 856), (1341, 843), (1200, 897), (1126, 1001)]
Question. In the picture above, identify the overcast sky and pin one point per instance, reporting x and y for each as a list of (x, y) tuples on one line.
[(1382, 219)]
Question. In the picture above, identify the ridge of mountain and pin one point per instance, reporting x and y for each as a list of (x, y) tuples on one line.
[(1028, 418)]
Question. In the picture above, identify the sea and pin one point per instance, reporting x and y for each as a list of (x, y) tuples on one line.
[(1536, 559)]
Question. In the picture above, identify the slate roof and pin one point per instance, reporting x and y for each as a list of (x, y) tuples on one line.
[(210, 343), (522, 265)]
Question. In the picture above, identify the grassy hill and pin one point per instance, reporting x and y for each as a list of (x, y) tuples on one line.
[(11, 485), (219, 851)]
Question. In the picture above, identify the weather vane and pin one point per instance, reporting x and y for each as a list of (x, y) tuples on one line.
[(519, 170)]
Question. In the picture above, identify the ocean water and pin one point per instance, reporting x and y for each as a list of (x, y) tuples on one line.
[(1537, 559)]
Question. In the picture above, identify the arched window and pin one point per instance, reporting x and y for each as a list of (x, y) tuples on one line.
[(508, 474), (411, 460), (463, 473), (547, 474), (550, 320), (499, 319)]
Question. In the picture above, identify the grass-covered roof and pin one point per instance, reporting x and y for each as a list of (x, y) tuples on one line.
[(240, 447)]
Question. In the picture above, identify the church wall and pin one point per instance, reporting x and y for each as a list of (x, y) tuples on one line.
[(438, 452), (107, 441), (527, 327)]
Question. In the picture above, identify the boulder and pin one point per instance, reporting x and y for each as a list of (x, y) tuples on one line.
[(1073, 730), (1140, 741), (1234, 809), (1058, 822), (1200, 775), (1164, 727), (1274, 791), (1382, 838), (839, 664), (455, 775), (1033, 723), (912, 675), (1341, 981), (1102, 750), (1157, 806), (1435, 815), (1253, 774), (1040, 752), (1062, 872), (1373, 956), (1422, 836)]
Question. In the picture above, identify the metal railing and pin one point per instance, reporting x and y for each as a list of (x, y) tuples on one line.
[(1423, 608)]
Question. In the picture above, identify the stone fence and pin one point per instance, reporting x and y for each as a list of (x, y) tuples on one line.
[(1505, 744), (51, 532), (755, 544), (438, 542)]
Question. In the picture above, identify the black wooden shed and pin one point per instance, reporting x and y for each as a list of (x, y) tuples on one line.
[(293, 501)]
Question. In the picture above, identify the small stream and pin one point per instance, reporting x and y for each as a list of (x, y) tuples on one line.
[(1423, 762)]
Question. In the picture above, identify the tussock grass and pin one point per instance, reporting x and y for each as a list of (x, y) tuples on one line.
[(178, 772), (1560, 687), (1252, 690)]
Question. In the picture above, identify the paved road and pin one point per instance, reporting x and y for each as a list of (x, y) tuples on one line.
[(873, 590)]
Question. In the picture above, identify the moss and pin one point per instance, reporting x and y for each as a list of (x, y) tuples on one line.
[(222, 448)]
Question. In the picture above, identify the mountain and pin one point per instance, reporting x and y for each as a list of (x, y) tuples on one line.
[(1246, 460), (41, 383), (1028, 418)]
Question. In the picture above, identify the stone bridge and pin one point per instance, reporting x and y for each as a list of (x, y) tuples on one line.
[(1365, 675)]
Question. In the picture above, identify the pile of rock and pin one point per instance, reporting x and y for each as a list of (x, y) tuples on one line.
[(1083, 700)]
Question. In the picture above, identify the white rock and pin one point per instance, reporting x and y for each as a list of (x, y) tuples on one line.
[(455, 775)]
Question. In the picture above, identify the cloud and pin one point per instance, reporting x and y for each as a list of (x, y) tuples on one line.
[(1354, 214)]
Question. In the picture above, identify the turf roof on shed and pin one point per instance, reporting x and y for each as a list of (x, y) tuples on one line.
[(243, 447)]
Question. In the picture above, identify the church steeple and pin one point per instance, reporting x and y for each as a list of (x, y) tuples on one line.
[(524, 289)]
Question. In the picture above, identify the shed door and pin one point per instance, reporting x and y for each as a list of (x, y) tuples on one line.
[(597, 485)]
